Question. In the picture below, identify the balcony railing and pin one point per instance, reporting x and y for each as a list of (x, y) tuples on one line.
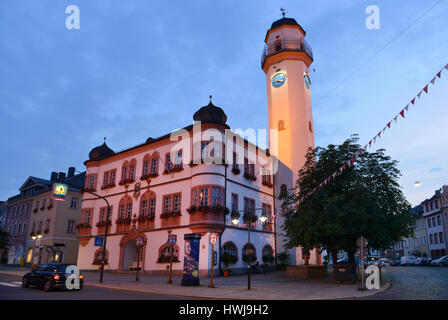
[(286, 45)]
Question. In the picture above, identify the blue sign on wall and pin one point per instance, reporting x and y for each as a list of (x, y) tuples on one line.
[(99, 241)]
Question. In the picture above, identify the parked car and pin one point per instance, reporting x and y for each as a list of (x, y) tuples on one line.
[(395, 262), (49, 276), (407, 261), (440, 262), (385, 262)]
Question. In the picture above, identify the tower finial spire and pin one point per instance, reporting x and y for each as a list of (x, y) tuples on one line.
[(104, 139), (283, 10), (210, 98)]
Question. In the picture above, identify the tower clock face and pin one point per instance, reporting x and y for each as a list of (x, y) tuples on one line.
[(278, 80), (307, 81)]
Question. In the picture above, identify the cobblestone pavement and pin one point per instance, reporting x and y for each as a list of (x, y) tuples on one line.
[(415, 283)]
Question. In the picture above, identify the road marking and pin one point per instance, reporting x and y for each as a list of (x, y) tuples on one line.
[(9, 284)]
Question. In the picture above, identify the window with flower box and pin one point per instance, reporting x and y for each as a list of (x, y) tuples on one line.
[(266, 177), (91, 182), (109, 179), (128, 172), (154, 166), (168, 163), (148, 205), (249, 170), (171, 205), (125, 210), (86, 216)]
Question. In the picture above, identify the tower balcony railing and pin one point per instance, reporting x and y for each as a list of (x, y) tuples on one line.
[(285, 45)]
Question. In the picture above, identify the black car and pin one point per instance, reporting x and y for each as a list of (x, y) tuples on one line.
[(49, 276)]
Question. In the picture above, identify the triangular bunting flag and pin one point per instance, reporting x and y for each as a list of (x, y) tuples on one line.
[(446, 67), (352, 159), (374, 139), (413, 101), (425, 89), (379, 134), (395, 118), (440, 72), (388, 125), (370, 143), (406, 108), (433, 80), (402, 113), (419, 94)]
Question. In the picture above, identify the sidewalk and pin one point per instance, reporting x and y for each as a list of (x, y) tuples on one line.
[(270, 286)]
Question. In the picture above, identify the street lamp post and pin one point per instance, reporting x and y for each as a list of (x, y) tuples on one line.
[(103, 253), (250, 213), (35, 238)]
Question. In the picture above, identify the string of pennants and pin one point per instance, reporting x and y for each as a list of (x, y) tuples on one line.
[(349, 163)]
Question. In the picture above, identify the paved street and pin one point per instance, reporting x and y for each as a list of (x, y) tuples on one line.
[(11, 289), (415, 283)]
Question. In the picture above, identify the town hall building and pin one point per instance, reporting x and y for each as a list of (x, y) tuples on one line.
[(204, 179)]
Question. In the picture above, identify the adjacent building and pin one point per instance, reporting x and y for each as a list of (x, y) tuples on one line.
[(168, 186), (417, 245), (41, 229), (436, 220)]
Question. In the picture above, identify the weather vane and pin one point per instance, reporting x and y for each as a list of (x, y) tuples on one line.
[(283, 11)]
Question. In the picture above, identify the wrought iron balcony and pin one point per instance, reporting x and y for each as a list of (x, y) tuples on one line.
[(285, 45)]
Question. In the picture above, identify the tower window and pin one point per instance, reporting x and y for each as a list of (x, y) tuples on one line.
[(310, 126), (281, 125)]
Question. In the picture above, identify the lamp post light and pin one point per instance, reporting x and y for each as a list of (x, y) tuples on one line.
[(35, 238), (250, 212)]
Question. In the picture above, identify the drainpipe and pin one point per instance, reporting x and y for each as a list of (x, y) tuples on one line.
[(275, 224), (225, 204)]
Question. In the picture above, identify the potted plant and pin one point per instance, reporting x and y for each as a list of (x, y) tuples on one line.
[(228, 258)]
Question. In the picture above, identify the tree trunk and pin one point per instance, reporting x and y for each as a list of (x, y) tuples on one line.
[(334, 256)]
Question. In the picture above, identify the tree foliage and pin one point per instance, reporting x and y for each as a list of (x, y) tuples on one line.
[(365, 199), (4, 239)]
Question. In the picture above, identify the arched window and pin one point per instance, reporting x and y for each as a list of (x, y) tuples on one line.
[(148, 204), (125, 208), (281, 125), (249, 253), (128, 171), (229, 247), (146, 166), (283, 191), (267, 254), (278, 45), (165, 252)]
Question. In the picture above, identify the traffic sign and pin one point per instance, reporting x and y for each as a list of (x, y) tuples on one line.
[(139, 241), (99, 241), (362, 242), (213, 238), (172, 239)]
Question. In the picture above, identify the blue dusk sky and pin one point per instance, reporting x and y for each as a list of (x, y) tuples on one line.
[(137, 69)]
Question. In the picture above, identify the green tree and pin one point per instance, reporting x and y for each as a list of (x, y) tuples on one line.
[(4, 239), (365, 199)]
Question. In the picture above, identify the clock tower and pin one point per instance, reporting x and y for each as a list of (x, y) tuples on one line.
[(286, 60)]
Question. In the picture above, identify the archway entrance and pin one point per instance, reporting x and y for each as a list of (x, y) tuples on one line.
[(128, 251), (130, 256)]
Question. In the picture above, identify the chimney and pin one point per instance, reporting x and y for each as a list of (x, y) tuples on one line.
[(71, 172), (61, 177), (54, 176)]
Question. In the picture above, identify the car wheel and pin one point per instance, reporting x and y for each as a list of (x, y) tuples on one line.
[(48, 286), (25, 282)]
